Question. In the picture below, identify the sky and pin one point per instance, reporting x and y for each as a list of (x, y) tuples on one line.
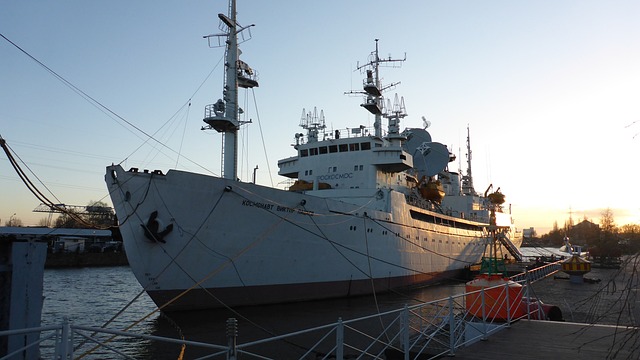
[(549, 89)]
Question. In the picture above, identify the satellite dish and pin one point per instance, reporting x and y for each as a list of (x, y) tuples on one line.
[(415, 138), (426, 123), (434, 161), (429, 158)]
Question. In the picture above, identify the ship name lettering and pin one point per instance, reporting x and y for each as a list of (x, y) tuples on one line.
[(257, 204), (335, 176)]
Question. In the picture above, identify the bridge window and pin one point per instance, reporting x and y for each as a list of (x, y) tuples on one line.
[(313, 151), (343, 147), (333, 148), (323, 149), (365, 146), (304, 153), (354, 147)]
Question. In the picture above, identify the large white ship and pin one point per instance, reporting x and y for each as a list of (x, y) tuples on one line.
[(370, 210)]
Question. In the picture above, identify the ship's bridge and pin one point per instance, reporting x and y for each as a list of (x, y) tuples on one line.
[(344, 163)]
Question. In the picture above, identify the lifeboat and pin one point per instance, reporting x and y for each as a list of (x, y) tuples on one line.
[(302, 185), (431, 190), (496, 198)]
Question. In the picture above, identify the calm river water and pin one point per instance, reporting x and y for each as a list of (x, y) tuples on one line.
[(93, 296)]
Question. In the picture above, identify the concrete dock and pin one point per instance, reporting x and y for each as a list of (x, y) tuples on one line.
[(535, 340), (602, 320)]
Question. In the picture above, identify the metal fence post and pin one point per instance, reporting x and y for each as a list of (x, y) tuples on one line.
[(405, 332), (528, 298), (484, 314), (340, 340), (452, 327), (506, 289), (232, 335), (64, 348)]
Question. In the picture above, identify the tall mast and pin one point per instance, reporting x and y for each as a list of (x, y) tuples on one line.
[(467, 180), (223, 116), (374, 101)]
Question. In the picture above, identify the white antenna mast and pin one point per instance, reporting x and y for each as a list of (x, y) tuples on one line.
[(223, 116)]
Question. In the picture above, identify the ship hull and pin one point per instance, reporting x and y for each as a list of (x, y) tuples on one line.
[(197, 242), (286, 293)]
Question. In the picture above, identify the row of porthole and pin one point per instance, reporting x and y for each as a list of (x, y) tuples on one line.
[(385, 232)]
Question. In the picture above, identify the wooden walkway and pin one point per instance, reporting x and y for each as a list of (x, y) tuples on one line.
[(531, 339)]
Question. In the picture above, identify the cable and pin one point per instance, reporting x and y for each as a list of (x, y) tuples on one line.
[(264, 146), (112, 114), (37, 193)]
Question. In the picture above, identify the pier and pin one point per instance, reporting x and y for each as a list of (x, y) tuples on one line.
[(426, 330), (535, 339)]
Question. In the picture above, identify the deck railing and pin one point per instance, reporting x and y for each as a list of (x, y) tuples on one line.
[(426, 330)]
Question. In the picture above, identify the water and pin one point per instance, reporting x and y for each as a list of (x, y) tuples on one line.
[(93, 296)]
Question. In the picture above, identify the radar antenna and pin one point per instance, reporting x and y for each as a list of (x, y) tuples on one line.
[(373, 88), (313, 123)]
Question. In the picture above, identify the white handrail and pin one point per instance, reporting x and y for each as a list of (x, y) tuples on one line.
[(437, 327)]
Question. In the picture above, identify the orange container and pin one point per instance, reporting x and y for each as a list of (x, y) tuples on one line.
[(495, 299)]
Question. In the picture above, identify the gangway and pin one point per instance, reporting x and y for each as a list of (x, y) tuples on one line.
[(511, 247)]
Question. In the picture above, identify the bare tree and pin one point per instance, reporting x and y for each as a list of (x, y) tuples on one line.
[(607, 222), (13, 221)]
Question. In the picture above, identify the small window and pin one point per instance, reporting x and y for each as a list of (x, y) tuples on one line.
[(360, 167), (355, 167), (365, 146), (306, 172), (310, 172), (343, 147), (323, 149), (335, 168), (333, 148), (304, 153)]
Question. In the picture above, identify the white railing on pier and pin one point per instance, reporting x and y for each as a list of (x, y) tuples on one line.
[(426, 331)]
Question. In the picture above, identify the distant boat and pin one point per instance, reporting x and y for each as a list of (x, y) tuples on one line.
[(355, 222)]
